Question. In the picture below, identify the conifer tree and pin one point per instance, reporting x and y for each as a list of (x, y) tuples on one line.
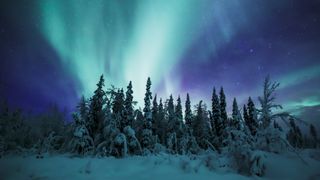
[(245, 113), (223, 105), (216, 116), (236, 116), (201, 128), (188, 112), (178, 118), (83, 109), (155, 109), (147, 103), (252, 119), (171, 115), (267, 101), (129, 112), (96, 108), (147, 131), (118, 110), (162, 124), (294, 135)]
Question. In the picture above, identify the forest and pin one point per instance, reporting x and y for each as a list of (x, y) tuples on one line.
[(107, 124)]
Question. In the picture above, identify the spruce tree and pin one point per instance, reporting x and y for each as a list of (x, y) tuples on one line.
[(96, 108), (147, 131), (155, 109), (201, 128), (178, 118), (178, 110), (162, 124), (83, 109), (147, 103), (216, 116), (188, 112), (118, 110), (223, 105), (252, 120), (171, 115), (245, 114), (236, 116), (129, 112)]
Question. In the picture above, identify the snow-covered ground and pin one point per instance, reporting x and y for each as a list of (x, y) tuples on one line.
[(167, 167)]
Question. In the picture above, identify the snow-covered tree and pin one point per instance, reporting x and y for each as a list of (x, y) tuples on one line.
[(83, 110), (251, 120), (82, 142), (236, 116), (223, 105), (267, 101), (188, 112), (147, 139), (178, 119), (161, 123), (201, 126), (216, 120), (294, 136), (128, 105), (155, 115), (96, 114)]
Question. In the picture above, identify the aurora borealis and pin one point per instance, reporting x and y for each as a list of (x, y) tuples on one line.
[(54, 51)]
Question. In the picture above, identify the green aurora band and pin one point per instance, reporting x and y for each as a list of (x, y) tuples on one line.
[(131, 40)]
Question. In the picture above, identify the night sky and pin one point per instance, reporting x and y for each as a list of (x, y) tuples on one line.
[(53, 51)]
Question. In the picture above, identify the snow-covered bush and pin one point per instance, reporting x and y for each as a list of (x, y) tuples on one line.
[(119, 146), (51, 143), (81, 142), (134, 146), (257, 163)]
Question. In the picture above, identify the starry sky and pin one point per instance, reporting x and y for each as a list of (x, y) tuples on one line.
[(54, 51)]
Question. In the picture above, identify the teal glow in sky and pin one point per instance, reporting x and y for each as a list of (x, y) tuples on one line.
[(131, 40)]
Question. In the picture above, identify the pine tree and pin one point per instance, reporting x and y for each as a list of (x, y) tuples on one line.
[(171, 115), (178, 118), (245, 114), (216, 116), (162, 124), (252, 120), (155, 110), (294, 135), (96, 108), (147, 103), (83, 110), (201, 126), (129, 112), (188, 112), (236, 116), (147, 131), (223, 105)]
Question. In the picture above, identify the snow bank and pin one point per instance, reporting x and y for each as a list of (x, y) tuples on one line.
[(153, 167)]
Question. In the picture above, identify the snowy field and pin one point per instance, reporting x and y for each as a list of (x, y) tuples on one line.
[(288, 166)]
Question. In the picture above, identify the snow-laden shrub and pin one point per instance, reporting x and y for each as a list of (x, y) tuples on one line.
[(134, 146), (51, 143), (81, 142), (119, 146), (272, 140), (172, 143), (257, 163), (147, 140), (159, 148)]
